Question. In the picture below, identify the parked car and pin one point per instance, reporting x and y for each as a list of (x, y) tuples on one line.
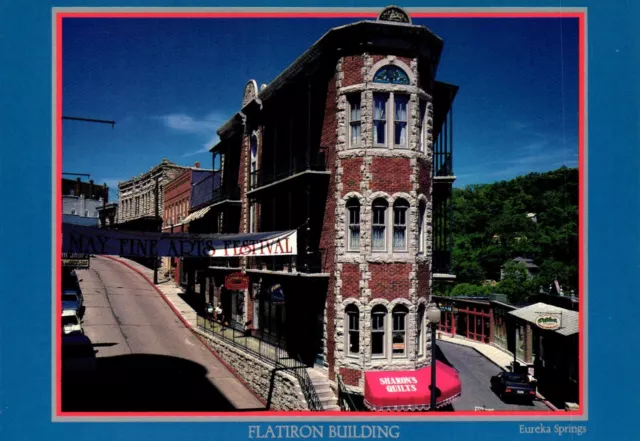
[(514, 385), (78, 355), (72, 301), (71, 323)]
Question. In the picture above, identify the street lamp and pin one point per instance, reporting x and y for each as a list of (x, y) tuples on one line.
[(433, 315)]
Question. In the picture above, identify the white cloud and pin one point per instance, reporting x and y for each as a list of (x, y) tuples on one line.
[(189, 124), (206, 127)]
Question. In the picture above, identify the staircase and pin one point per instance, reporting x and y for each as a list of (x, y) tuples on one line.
[(325, 394)]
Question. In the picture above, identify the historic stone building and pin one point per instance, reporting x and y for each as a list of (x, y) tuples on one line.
[(137, 197), (351, 145)]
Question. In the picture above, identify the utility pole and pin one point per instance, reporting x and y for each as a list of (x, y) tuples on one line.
[(155, 258)]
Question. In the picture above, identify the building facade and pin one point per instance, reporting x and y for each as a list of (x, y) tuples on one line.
[(179, 195), (83, 200), (137, 208), (351, 145)]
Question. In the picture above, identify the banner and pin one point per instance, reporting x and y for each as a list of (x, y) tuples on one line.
[(92, 240)]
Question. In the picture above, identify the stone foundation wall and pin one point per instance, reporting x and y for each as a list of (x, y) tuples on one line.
[(286, 395)]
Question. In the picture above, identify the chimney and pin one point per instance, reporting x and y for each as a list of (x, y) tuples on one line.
[(78, 187), (196, 164), (91, 195)]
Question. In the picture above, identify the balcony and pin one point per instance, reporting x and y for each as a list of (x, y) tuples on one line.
[(264, 178), (313, 264), (228, 193)]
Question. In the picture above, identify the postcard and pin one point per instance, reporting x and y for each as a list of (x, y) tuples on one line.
[(326, 222)]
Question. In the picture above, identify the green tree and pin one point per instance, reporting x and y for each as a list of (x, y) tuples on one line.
[(468, 289), (516, 282)]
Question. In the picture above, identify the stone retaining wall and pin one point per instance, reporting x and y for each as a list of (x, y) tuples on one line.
[(286, 395)]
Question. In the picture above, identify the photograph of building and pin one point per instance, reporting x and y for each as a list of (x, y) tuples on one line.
[(392, 290)]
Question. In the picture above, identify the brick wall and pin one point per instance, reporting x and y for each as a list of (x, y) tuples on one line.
[(351, 174), (378, 57), (351, 377), (389, 280), (351, 276), (327, 239), (423, 280), (352, 68), (424, 178), (176, 192), (391, 174)]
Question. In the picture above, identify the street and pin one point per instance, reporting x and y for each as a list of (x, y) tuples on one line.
[(475, 372), (147, 359)]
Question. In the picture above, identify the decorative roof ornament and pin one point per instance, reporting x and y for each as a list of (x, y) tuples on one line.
[(395, 14), (250, 92)]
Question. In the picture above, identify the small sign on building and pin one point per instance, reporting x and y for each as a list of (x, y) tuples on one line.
[(277, 296), (236, 281), (548, 321)]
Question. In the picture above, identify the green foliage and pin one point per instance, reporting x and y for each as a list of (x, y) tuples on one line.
[(491, 227), (516, 282), (467, 289)]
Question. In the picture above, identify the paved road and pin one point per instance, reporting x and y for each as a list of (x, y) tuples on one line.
[(147, 358), (475, 372)]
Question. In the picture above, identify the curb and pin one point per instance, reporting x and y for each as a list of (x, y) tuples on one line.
[(542, 399), (189, 327)]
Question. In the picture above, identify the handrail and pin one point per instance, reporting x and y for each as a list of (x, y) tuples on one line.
[(267, 352), (344, 399)]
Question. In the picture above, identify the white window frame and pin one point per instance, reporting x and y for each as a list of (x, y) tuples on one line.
[(403, 312), (254, 161), (383, 331), (252, 217), (351, 100), (353, 204), (352, 310), (386, 120), (406, 208), (383, 224), (390, 120), (404, 145)]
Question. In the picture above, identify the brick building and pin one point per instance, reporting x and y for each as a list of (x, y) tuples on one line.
[(352, 146), (178, 205)]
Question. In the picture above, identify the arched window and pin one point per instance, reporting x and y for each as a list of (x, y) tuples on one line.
[(400, 211), (421, 227), (254, 162), (391, 74), (421, 310), (378, 316), (378, 225), (353, 330), (353, 219), (399, 336)]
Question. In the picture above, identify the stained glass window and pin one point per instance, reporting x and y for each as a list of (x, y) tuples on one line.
[(391, 74)]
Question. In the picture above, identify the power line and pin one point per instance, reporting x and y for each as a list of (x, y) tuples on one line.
[(102, 121)]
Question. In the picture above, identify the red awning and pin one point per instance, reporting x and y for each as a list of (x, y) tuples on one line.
[(409, 390)]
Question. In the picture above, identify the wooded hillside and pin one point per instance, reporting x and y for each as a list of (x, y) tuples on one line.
[(494, 223)]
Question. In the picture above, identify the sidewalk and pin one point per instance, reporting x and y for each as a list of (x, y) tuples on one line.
[(498, 357)]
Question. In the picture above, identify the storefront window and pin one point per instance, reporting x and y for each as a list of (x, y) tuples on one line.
[(421, 310)]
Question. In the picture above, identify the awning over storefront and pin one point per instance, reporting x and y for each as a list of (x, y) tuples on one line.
[(196, 215), (409, 390), (549, 317)]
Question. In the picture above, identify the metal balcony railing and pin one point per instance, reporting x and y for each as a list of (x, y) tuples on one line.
[(231, 193), (262, 177), (312, 263)]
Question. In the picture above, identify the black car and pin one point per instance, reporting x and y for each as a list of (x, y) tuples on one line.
[(514, 385)]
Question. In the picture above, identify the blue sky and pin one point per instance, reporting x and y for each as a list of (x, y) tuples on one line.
[(170, 83)]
